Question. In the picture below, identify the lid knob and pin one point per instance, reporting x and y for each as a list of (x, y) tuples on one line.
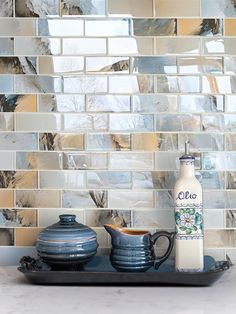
[(67, 219)]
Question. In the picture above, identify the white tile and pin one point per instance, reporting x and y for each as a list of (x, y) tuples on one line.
[(7, 160), (50, 122)]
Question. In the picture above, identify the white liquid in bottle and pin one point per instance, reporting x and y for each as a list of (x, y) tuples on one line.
[(188, 217)]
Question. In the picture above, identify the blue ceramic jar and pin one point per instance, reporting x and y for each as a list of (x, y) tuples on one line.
[(67, 244)]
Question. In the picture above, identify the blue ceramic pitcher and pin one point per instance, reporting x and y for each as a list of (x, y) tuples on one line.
[(133, 250)]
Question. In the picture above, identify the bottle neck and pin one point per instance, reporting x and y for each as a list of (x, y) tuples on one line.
[(187, 168)]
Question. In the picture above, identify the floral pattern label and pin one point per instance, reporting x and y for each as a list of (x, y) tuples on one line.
[(189, 223)]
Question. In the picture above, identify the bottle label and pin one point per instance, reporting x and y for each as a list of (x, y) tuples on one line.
[(189, 221)]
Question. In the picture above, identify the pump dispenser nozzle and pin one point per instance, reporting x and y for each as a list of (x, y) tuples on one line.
[(187, 145), (187, 154)]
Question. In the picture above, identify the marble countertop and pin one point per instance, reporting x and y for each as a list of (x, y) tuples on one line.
[(17, 296)]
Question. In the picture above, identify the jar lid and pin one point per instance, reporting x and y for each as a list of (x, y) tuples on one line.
[(67, 228)]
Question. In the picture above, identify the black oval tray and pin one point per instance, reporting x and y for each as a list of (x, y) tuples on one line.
[(100, 272)]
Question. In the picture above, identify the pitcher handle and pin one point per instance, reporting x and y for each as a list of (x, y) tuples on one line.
[(170, 236)]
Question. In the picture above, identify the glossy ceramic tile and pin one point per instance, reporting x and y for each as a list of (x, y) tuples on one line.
[(130, 199), (109, 180), (78, 7), (6, 198), (154, 65), (201, 103), (6, 122), (37, 84), (218, 8), (26, 236), (78, 161), (108, 103), (61, 180), (17, 27), (96, 101), (178, 45), (85, 122), (219, 46), (61, 103), (131, 161), (38, 198), (154, 27), (193, 65), (154, 141), (38, 160), (219, 161), (48, 217), (219, 84), (6, 46), (154, 103), (231, 182), (84, 199), (203, 141), (230, 141), (97, 218), (230, 65), (18, 218), (173, 122), (130, 46), (61, 141), (83, 46), (19, 179), (28, 46), (177, 84), (107, 65), (131, 84), (118, 27), (131, 122), (56, 27), (61, 65), (202, 27), (181, 8), (50, 122), (18, 103), (108, 142), (32, 8), (85, 84), (154, 219), (231, 103), (165, 161), (6, 84), (230, 27), (130, 8), (6, 8), (18, 141), (7, 160), (154, 179), (6, 236)]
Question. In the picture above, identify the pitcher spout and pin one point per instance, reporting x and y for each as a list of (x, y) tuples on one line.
[(112, 230)]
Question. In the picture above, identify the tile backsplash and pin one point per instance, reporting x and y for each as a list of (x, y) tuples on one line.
[(96, 100)]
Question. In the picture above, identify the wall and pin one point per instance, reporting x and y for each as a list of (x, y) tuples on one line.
[(97, 99)]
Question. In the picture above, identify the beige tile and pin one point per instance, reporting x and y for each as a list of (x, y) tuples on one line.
[(26, 236), (230, 27), (171, 8), (24, 180), (130, 7), (6, 198), (26, 103), (38, 198), (61, 141)]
